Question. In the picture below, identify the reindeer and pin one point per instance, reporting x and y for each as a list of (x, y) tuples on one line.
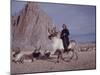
[(57, 45), (19, 56)]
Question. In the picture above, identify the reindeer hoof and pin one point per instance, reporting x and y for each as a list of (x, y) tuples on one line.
[(57, 62), (67, 60)]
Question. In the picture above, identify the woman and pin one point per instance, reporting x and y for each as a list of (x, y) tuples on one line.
[(65, 37)]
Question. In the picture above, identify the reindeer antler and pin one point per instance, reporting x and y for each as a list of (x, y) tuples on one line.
[(39, 48)]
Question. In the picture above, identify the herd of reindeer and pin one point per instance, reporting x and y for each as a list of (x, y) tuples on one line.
[(19, 56)]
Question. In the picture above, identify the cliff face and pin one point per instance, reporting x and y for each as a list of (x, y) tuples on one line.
[(29, 29)]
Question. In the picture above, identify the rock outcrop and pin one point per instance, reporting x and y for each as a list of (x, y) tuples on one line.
[(29, 29)]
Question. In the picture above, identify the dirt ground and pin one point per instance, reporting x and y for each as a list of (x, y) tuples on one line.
[(86, 60)]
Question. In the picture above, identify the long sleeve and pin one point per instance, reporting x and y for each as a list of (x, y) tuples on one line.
[(68, 32), (64, 33), (61, 36)]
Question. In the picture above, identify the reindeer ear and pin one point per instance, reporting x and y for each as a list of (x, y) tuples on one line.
[(49, 31)]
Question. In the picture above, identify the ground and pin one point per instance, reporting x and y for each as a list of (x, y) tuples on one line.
[(86, 60)]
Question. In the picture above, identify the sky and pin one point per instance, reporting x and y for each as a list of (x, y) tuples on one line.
[(80, 19)]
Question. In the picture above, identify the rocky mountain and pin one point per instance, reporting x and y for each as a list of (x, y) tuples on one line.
[(29, 29)]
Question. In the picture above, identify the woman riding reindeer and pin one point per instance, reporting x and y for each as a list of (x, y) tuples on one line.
[(61, 43)]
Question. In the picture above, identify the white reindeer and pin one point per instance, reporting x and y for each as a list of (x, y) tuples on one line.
[(57, 45)]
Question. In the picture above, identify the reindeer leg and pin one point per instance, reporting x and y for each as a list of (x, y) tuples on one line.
[(22, 59), (74, 54), (67, 52), (58, 58), (32, 59), (61, 56)]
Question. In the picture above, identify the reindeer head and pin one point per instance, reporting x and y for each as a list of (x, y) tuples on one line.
[(52, 33), (37, 49), (15, 52)]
